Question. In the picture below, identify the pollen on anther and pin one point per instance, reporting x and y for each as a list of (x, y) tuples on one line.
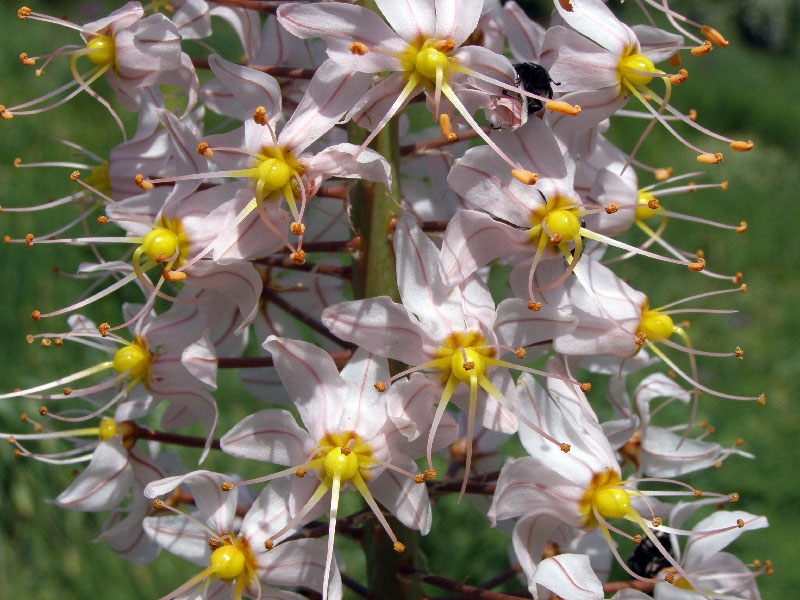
[(637, 539), (762, 400), (226, 486), (692, 114), (43, 410), (173, 275), (67, 391), (521, 352), (23, 58), (639, 338), (740, 523), (301, 472), (698, 494), (586, 386), (297, 228), (299, 257), (28, 240), (419, 478), (46, 342), (203, 150), (734, 497), (141, 182), (565, 447), (612, 208), (670, 578), (399, 547), (260, 115), (213, 543), (657, 521), (6, 239), (36, 315), (653, 204), (269, 544), (429, 474), (663, 173), (102, 219), (5, 114), (23, 12), (17, 453), (696, 267), (158, 504), (701, 50), (380, 386), (738, 353), (680, 77), (358, 48), (74, 175), (534, 306), (469, 365), (742, 227)]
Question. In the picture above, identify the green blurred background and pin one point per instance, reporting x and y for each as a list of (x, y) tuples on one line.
[(749, 90)]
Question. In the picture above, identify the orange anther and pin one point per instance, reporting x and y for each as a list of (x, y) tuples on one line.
[(679, 77), (698, 266), (446, 127), (534, 306), (359, 48), (701, 50), (741, 146), (173, 275), (565, 447), (140, 181), (525, 176), (710, 159), (36, 315), (742, 227), (521, 352), (29, 239), (297, 228), (399, 547), (713, 35), (299, 257), (102, 219), (565, 108), (103, 329), (586, 386), (226, 486), (612, 208), (675, 60), (380, 386), (663, 173), (260, 115), (23, 58), (445, 45), (202, 147)]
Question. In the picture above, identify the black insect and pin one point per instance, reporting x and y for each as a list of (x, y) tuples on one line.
[(535, 79), (646, 559)]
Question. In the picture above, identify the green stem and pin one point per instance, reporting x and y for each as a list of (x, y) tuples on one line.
[(374, 207)]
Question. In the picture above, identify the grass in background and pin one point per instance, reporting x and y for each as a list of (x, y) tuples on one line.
[(741, 91)]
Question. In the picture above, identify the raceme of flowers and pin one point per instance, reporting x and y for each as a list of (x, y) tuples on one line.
[(278, 195)]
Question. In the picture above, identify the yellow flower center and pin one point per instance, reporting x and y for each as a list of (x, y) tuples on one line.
[(466, 355), (423, 58), (606, 496), (134, 357), (108, 428), (630, 69), (101, 50), (656, 325), (559, 215), (228, 562), (343, 454), (165, 240)]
